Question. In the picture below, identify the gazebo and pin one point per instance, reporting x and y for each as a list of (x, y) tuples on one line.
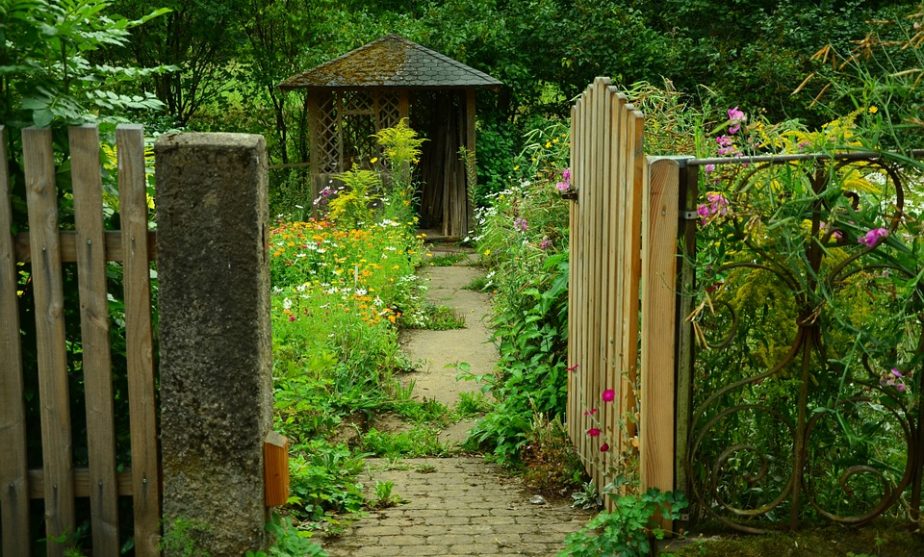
[(373, 87)]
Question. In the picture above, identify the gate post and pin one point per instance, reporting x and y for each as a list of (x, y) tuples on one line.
[(215, 347)]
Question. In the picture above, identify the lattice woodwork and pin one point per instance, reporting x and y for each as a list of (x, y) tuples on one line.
[(328, 136), (389, 110), (357, 102)]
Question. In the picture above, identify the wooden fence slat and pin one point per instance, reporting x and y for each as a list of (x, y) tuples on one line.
[(659, 271), (41, 193), (593, 263), (141, 396), (609, 414), (94, 327), (14, 485)]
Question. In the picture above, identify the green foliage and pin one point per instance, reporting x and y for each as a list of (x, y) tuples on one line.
[(185, 537), (421, 440), (385, 496), (323, 480), (627, 530), (48, 72), (288, 541)]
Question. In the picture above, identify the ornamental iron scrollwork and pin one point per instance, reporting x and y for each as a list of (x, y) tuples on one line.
[(807, 372)]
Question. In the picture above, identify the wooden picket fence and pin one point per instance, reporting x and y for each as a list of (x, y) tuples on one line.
[(621, 318), (47, 248)]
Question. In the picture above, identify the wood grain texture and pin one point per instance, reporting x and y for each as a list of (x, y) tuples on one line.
[(14, 484), (94, 329), (41, 194), (82, 483), (659, 269), (67, 242), (141, 396)]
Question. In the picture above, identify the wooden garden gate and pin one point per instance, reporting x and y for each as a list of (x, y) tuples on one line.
[(622, 296), (47, 248)]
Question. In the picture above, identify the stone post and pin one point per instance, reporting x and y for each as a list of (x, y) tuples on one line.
[(215, 347)]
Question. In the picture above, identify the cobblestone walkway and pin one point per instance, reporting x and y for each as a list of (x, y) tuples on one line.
[(455, 507)]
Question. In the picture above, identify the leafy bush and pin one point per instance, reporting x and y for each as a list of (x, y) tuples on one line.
[(626, 531)]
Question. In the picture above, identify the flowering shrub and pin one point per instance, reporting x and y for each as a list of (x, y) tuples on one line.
[(808, 297), (341, 286)]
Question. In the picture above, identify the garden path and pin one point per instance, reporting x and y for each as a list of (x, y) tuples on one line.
[(461, 506)]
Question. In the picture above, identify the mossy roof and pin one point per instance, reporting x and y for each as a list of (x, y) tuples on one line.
[(391, 61)]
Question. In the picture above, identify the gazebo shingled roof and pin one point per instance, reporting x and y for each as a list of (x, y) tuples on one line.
[(391, 61)]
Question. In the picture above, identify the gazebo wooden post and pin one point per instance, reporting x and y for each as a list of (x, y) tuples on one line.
[(471, 172), (314, 151)]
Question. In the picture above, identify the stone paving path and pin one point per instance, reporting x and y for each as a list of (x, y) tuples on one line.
[(454, 506)]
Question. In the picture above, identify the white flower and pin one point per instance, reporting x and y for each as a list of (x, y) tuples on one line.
[(287, 304)]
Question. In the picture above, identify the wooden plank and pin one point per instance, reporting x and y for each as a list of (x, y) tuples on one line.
[(41, 195), (658, 336), (67, 241), (141, 397), (82, 483), (313, 109), (587, 201), (632, 263), (601, 128), (94, 328), (471, 173), (608, 292), (610, 415), (570, 405), (617, 256), (14, 485), (275, 469)]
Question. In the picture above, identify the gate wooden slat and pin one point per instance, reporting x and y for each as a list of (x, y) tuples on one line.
[(593, 318), (659, 269), (94, 326), (41, 193), (14, 487), (571, 415), (588, 197), (133, 211), (616, 310), (607, 288), (610, 414), (631, 268)]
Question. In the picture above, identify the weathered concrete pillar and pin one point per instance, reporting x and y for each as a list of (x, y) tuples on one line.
[(215, 348)]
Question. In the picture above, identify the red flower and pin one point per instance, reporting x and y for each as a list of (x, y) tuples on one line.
[(590, 412), (594, 432), (608, 395), (604, 447), (573, 368)]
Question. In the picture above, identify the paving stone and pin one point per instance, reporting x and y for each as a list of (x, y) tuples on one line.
[(465, 507)]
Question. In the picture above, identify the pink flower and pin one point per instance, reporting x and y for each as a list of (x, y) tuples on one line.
[(563, 186), (566, 175), (608, 395), (873, 237), (736, 117), (716, 206), (604, 447), (724, 141), (520, 224), (545, 244), (590, 412), (725, 151), (593, 432), (291, 317), (709, 168), (897, 372)]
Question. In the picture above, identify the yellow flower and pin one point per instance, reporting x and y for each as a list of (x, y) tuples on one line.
[(374, 160), (873, 109), (515, 168), (548, 144), (487, 252)]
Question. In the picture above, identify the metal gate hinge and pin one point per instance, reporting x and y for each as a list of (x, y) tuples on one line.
[(689, 215)]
